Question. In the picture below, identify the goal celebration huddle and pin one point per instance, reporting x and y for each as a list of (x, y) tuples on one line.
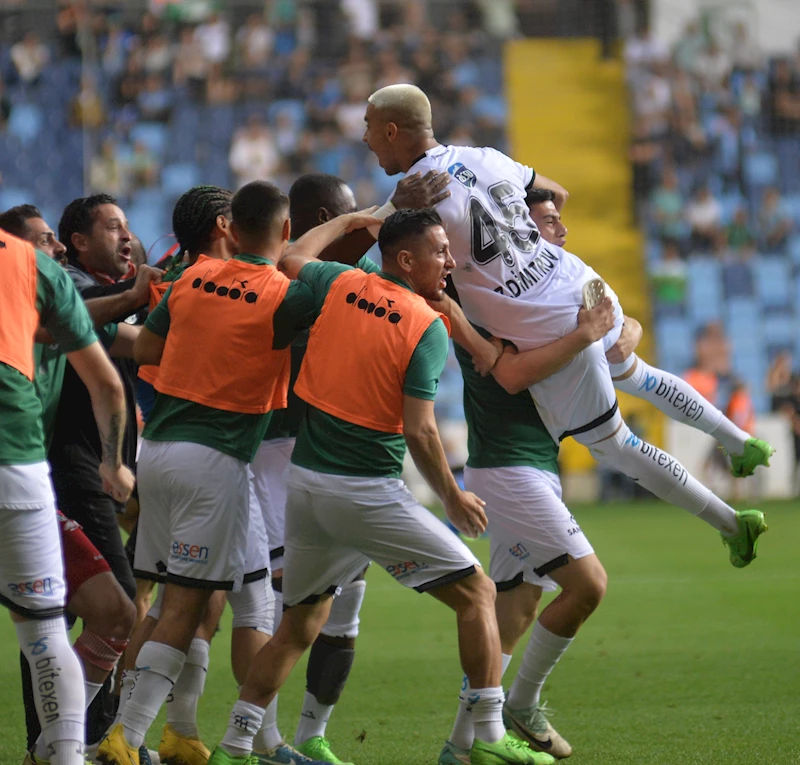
[(288, 375)]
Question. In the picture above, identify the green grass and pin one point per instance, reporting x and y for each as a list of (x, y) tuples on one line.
[(688, 661)]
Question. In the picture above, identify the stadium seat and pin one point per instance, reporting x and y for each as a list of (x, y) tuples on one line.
[(704, 290), (675, 342), (151, 134), (25, 122), (737, 280), (779, 332), (177, 178), (760, 169), (743, 322), (774, 284), (11, 197)]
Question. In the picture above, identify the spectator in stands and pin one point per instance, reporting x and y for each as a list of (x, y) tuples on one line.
[(191, 65), (5, 105), (784, 101), (780, 382), (689, 47), (106, 172), (643, 50), (738, 232), (712, 68), (668, 277), (215, 38), (362, 18), (666, 209), (154, 99), (115, 50), (221, 89), (157, 55), (744, 50), (704, 216), (254, 41), (86, 109), (253, 155), (645, 152), (29, 56), (143, 167), (774, 222)]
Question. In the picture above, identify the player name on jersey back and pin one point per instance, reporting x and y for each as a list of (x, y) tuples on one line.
[(509, 280)]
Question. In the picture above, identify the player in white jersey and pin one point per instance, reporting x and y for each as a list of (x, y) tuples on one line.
[(667, 392), (525, 290)]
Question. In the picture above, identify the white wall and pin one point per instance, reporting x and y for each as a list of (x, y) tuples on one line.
[(776, 22)]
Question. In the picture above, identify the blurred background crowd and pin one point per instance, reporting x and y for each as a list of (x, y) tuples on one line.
[(145, 99)]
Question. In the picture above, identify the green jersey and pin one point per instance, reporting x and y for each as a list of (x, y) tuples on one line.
[(235, 434), (63, 314), (503, 430), (328, 444), (285, 423)]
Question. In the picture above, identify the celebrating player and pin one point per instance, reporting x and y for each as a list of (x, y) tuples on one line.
[(527, 291)]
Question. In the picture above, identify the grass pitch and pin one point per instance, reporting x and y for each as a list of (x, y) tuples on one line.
[(688, 661)]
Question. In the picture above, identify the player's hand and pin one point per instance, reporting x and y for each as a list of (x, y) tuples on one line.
[(140, 292), (417, 191), (357, 220), (484, 362), (465, 512), (118, 482), (596, 323), (628, 341)]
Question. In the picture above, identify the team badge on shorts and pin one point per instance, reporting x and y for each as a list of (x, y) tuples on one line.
[(462, 174)]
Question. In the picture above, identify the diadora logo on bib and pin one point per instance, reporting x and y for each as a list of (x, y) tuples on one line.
[(33, 587), (462, 174), (236, 289), (189, 552), (382, 309), (402, 570)]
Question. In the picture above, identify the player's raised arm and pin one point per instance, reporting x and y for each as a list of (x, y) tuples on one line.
[(485, 353), (518, 371), (561, 194), (308, 247)]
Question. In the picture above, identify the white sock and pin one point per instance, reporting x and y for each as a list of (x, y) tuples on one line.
[(91, 690), (158, 666), (67, 752), (487, 713), (313, 719), (541, 655), (125, 690), (663, 475), (182, 702), (57, 682), (681, 402), (463, 733), (268, 736), (243, 725)]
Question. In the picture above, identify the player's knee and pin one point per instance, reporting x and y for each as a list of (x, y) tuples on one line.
[(102, 651), (112, 613), (343, 620), (253, 607), (480, 592)]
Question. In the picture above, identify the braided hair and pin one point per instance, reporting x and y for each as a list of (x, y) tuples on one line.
[(195, 216)]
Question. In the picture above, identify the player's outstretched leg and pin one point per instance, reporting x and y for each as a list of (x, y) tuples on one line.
[(472, 598), (329, 665), (681, 402), (665, 477)]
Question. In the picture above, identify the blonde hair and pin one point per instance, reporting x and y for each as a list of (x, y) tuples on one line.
[(405, 105)]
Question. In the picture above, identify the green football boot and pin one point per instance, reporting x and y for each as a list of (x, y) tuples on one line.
[(756, 452), (452, 755), (220, 757), (743, 546), (509, 750), (319, 748)]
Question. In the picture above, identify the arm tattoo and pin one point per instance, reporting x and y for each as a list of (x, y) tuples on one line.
[(112, 441)]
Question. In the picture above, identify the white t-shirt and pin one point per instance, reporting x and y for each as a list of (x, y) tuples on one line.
[(509, 280)]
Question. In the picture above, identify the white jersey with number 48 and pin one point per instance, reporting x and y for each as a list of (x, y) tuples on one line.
[(509, 280)]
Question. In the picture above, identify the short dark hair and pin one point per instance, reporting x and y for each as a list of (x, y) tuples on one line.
[(14, 220), (308, 193), (195, 215), (78, 218), (537, 196), (402, 225), (256, 208)]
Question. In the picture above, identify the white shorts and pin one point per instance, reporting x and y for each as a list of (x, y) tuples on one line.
[(194, 517), (269, 481), (531, 530), (31, 561), (336, 524), (256, 565)]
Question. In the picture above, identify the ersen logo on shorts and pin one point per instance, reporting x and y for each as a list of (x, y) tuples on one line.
[(402, 570), (188, 552), (34, 587)]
